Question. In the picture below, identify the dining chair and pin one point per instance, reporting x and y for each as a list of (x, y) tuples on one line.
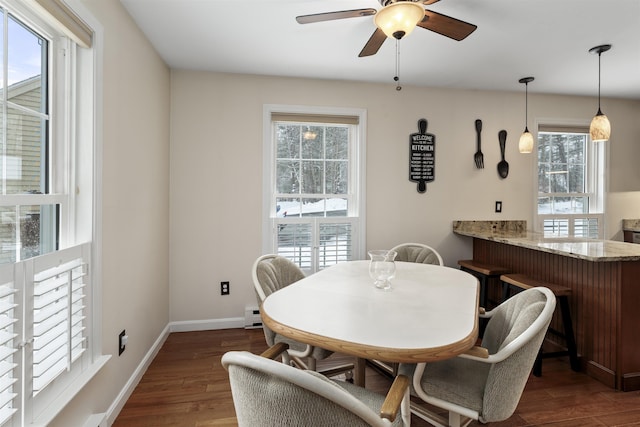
[(417, 252), (486, 383), (271, 394), (273, 272)]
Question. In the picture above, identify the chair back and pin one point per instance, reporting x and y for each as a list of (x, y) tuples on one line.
[(272, 272), (271, 394), (513, 337), (417, 252)]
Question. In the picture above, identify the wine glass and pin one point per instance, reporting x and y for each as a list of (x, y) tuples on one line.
[(382, 268)]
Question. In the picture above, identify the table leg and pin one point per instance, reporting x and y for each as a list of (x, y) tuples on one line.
[(359, 374)]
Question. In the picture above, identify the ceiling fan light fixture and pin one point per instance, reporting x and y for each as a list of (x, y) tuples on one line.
[(398, 20), (600, 128)]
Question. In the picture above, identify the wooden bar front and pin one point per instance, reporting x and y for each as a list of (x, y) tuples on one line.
[(605, 305)]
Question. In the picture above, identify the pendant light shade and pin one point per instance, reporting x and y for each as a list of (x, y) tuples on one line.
[(398, 19), (525, 145), (600, 128)]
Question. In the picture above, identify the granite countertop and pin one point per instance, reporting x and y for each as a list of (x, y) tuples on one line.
[(514, 233), (631, 224)]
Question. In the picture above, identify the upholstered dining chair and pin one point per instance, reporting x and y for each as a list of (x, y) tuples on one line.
[(486, 383), (271, 394), (273, 272), (417, 252)]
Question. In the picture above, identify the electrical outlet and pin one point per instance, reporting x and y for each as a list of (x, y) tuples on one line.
[(498, 206), (122, 342), (224, 288)]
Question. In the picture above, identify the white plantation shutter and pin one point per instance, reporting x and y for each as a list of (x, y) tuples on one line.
[(315, 243), (8, 344), (59, 301)]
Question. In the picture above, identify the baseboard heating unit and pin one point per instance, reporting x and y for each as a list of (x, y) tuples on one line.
[(252, 318)]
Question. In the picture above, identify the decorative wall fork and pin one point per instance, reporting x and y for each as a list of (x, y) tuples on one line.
[(478, 157)]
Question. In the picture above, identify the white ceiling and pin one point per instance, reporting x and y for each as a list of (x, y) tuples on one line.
[(547, 39)]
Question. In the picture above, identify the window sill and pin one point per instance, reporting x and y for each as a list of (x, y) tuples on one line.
[(48, 415)]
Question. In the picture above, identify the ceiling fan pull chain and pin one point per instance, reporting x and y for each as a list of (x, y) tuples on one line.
[(397, 77)]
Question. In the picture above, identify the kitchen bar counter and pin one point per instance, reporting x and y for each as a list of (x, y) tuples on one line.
[(631, 225), (587, 249), (604, 279)]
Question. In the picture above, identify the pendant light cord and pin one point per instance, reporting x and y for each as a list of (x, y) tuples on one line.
[(526, 106), (599, 55)]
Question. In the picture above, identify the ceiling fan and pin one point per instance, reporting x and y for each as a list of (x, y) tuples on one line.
[(389, 22)]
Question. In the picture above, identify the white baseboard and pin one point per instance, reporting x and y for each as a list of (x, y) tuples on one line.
[(121, 399), (207, 325), (182, 326)]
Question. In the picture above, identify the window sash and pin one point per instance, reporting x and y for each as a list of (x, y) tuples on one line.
[(589, 223)]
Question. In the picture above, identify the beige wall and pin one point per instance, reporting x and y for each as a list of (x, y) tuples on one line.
[(135, 217), (216, 170)]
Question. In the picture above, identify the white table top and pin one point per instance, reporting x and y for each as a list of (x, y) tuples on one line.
[(430, 314)]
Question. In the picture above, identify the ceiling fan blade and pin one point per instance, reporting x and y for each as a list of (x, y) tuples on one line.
[(373, 45), (446, 25), (428, 2), (330, 16)]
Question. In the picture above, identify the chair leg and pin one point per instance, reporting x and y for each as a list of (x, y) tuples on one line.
[(572, 349), (457, 420), (311, 363), (483, 291), (505, 291), (537, 365), (568, 333)]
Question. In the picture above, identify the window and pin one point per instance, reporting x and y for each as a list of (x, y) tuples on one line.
[(570, 183), (313, 185), (28, 229), (48, 344)]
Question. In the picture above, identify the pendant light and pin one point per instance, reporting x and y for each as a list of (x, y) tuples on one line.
[(600, 128), (525, 145)]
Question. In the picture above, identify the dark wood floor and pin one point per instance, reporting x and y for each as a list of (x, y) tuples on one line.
[(186, 386)]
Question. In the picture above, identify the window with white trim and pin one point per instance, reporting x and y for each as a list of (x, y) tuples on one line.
[(48, 342), (570, 196), (314, 164)]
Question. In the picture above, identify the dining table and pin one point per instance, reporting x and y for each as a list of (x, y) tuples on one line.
[(429, 314)]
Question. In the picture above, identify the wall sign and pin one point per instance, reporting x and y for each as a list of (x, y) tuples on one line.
[(422, 156)]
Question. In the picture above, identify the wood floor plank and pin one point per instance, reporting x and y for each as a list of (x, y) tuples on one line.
[(186, 386)]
